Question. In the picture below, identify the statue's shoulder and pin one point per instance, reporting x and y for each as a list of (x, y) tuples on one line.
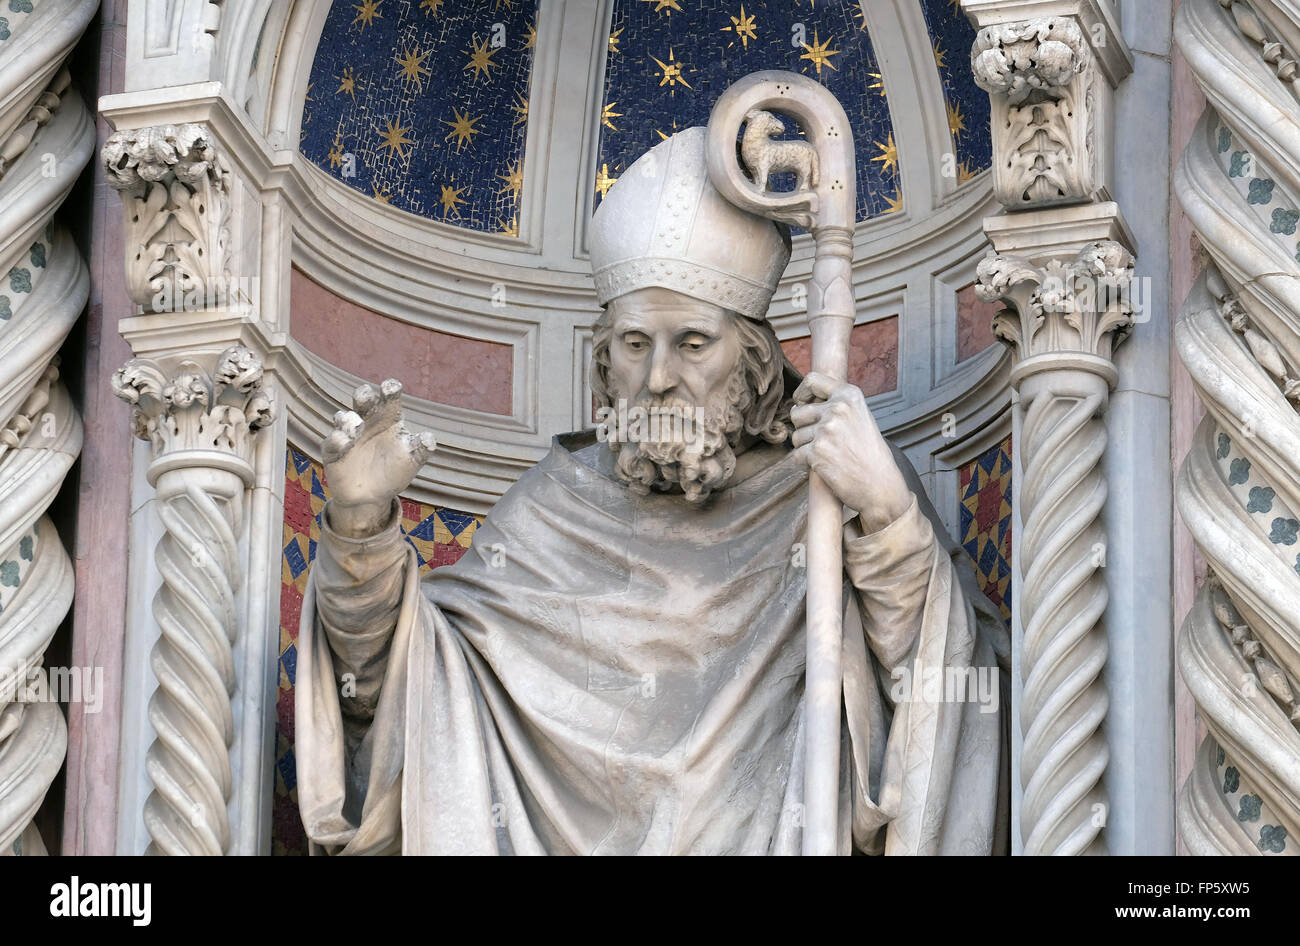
[(581, 448), (577, 441)]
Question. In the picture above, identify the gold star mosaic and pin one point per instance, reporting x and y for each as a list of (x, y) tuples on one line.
[(424, 106), (667, 63)]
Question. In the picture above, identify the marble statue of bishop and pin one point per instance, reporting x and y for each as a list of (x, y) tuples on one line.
[(616, 666)]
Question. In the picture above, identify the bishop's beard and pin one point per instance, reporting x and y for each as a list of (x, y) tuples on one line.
[(691, 447)]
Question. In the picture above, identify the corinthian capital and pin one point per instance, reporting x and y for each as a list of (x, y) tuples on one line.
[(197, 416), (1079, 306), (177, 194)]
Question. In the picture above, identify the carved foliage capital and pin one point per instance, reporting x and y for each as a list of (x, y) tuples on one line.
[(1033, 60), (1079, 306), (194, 408), (1041, 79), (176, 188), (139, 157)]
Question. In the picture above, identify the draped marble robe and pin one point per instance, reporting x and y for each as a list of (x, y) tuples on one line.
[(603, 673)]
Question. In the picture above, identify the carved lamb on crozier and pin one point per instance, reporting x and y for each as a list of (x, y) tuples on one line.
[(763, 156)]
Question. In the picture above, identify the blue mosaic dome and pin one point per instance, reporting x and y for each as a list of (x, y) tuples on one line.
[(424, 105)]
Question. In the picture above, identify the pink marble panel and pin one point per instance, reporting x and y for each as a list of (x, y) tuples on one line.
[(873, 355), (974, 323), (445, 368), (89, 794)]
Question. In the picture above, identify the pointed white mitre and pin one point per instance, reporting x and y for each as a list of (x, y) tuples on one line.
[(663, 224)]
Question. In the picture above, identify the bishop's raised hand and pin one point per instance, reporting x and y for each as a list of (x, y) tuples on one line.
[(370, 457)]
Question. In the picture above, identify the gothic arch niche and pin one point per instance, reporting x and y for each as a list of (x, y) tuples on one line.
[(487, 319), (423, 270)]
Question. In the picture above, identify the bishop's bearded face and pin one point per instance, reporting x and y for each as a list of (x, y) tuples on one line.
[(682, 384)]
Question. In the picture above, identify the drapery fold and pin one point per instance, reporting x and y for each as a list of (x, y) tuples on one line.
[(606, 673)]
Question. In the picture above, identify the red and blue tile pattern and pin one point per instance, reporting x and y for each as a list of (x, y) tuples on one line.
[(439, 537), (985, 522)]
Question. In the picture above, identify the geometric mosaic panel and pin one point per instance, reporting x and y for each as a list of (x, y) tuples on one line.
[(424, 105), (985, 522), (669, 60), (439, 536)]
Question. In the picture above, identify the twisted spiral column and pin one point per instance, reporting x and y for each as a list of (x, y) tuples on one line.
[(46, 137), (1238, 490), (1063, 320), (200, 421), (189, 762), (1062, 599)]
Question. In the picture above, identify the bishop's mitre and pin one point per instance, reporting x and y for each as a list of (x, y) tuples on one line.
[(663, 224)]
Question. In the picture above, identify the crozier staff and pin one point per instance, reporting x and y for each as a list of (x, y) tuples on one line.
[(824, 202)]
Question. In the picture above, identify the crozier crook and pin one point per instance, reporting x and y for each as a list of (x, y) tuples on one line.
[(826, 207)]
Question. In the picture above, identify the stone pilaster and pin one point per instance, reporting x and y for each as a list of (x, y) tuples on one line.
[(199, 420), (1063, 265), (202, 225)]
